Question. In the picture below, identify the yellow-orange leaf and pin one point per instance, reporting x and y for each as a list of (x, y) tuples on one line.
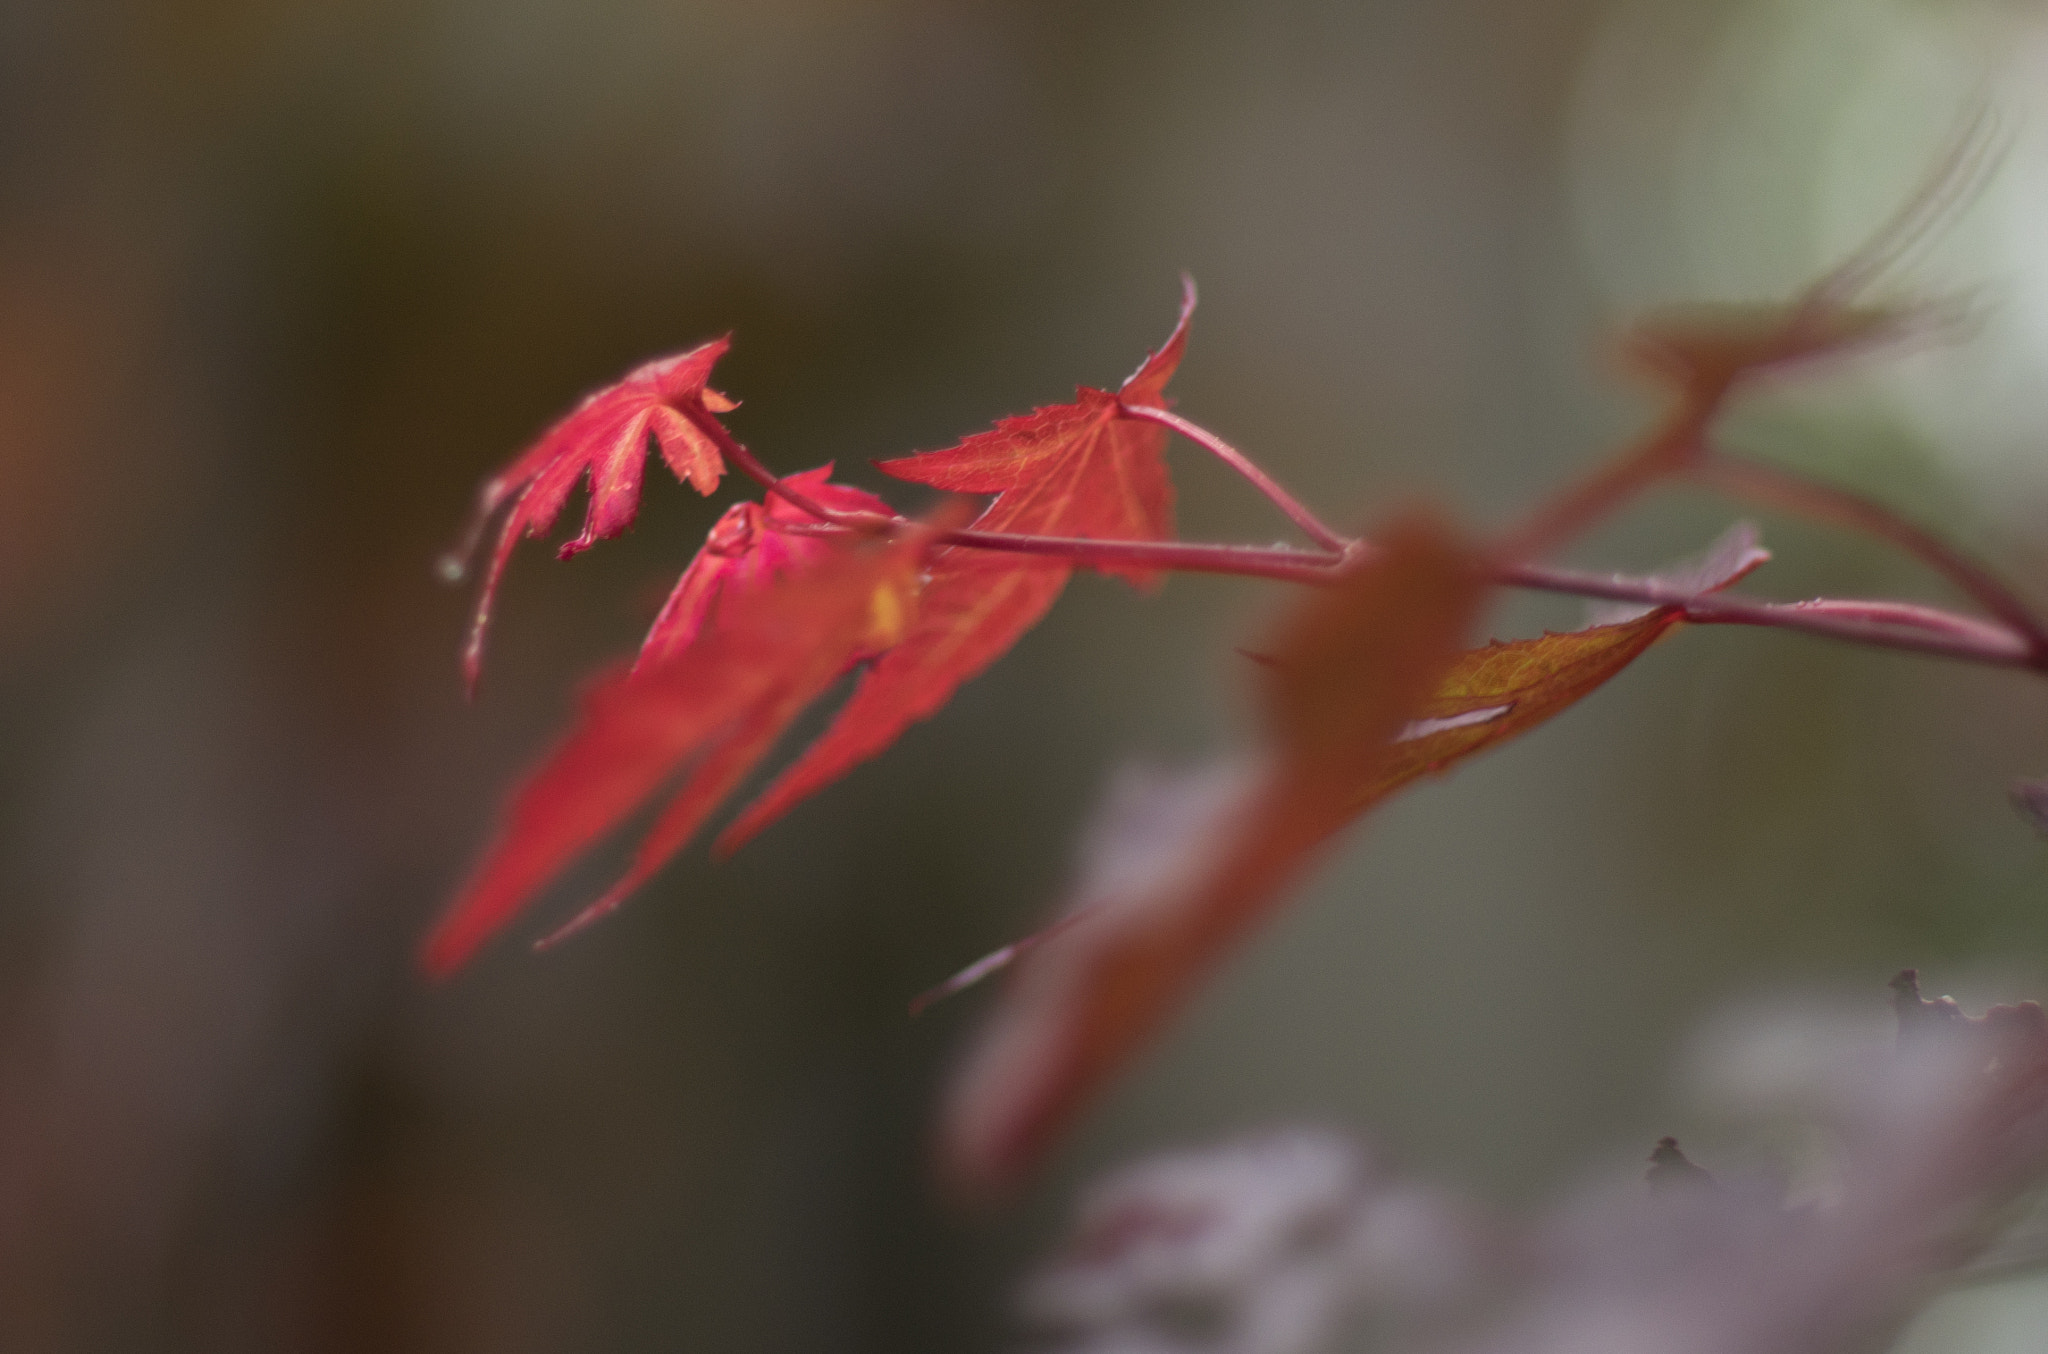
[(1503, 690)]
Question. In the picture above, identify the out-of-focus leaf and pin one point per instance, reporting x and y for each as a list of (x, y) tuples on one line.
[(2030, 797), (708, 712), (1183, 869), (1701, 349), (1179, 869), (746, 550), (1286, 1243)]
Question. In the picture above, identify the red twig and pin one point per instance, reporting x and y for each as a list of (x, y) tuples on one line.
[(1278, 562), (1877, 624), (1771, 487)]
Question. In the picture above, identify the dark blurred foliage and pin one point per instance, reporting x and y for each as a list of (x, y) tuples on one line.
[(280, 282)]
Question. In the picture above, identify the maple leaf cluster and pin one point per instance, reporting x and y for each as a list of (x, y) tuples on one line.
[(1366, 687), (766, 618)]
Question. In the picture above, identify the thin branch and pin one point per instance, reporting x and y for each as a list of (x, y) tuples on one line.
[(1878, 624), (1883, 625), (1909, 614), (1768, 486), (1281, 563), (1297, 512)]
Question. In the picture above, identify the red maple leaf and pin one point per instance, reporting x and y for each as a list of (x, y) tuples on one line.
[(706, 712), (1076, 469), (747, 550), (605, 437)]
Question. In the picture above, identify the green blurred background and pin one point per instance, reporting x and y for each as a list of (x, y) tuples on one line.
[(281, 281)]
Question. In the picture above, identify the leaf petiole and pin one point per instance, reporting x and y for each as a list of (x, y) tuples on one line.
[(1297, 512)]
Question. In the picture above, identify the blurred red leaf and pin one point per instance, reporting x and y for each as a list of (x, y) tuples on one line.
[(1076, 469), (604, 437), (707, 711), (1177, 869), (1186, 869), (745, 552)]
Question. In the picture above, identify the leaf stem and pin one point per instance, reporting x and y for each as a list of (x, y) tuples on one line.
[(1874, 623), (1297, 512), (1281, 563)]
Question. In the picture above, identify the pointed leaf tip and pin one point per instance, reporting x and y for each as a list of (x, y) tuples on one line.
[(1147, 385)]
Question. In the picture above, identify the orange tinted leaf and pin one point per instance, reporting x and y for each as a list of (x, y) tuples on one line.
[(1067, 470), (1489, 696), (604, 438), (1182, 870), (709, 712), (1505, 689)]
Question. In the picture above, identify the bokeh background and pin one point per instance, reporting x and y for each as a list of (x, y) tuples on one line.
[(281, 281)]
